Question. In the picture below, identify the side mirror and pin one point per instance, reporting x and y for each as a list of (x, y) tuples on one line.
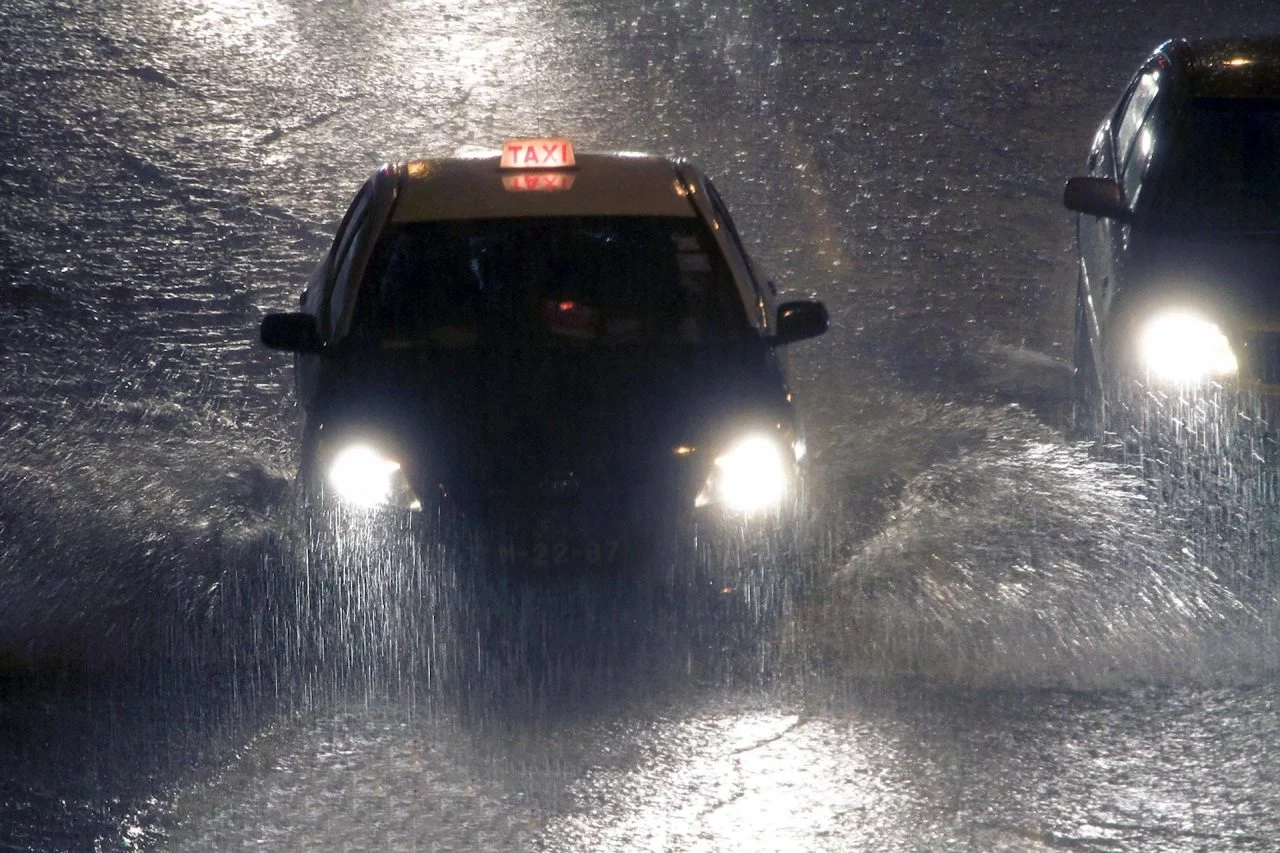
[(1095, 197), (294, 332), (805, 318)]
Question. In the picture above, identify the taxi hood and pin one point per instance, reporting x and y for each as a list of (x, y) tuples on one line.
[(480, 421)]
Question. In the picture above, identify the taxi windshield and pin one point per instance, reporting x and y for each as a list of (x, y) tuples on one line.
[(548, 281), (1224, 167)]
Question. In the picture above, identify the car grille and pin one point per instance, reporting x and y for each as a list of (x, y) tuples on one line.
[(1262, 356)]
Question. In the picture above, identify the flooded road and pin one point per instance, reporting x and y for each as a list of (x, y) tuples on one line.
[(1010, 642)]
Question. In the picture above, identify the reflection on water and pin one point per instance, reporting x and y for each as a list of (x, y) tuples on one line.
[(172, 675), (889, 765)]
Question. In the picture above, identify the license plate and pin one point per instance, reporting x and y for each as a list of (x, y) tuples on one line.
[(551, 553)]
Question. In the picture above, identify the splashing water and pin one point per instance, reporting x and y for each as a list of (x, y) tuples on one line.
[(1023, 560)]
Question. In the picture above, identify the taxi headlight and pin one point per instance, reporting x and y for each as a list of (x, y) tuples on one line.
[(752, 476), (366, 478), (1185, 347)]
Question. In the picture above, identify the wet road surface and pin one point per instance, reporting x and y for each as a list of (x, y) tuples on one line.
[(1018, 643)]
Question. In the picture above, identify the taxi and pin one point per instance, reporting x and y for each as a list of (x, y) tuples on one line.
[(566, 351), (1178, 228)]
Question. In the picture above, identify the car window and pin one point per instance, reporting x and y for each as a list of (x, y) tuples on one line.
[(341, 238), (548, 281), (1139, 160), (345, 256), (1223, 169), (1134, 113), (722, 213)]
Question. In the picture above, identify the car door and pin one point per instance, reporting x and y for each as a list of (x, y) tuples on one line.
[(1108, 239), (1093, 233)]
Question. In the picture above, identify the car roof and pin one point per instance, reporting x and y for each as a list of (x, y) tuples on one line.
[(1227, 67), (598, 185)]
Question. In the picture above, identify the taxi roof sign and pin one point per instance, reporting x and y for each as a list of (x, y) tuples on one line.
[(537, 181), (555, 153)]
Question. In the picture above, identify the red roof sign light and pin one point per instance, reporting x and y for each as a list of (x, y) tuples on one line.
[(537, 181), (537, 154)]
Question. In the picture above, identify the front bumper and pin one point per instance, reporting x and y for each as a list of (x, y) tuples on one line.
[(599, 532)]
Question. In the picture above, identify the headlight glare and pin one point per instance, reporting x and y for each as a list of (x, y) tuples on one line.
[(365, 478), (751, 477), (1184, 347)]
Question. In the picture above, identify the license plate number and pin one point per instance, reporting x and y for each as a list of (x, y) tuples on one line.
[(602, 552)]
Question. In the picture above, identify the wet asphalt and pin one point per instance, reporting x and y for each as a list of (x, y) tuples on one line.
[(1008, 641)]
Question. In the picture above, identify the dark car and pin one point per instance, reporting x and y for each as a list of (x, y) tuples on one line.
[(570, 354), (1179, 227)]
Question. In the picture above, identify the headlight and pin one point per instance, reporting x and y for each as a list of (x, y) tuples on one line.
[(365, 478), (751, 477), (1185, 347)]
